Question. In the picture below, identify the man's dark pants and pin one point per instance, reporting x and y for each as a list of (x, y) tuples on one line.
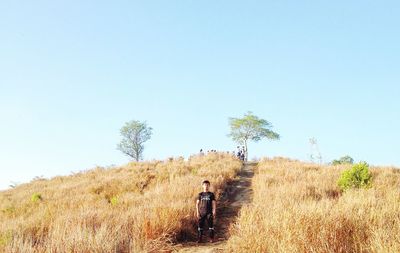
[(203, 218)]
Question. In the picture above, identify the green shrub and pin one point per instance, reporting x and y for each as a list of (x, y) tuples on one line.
[(356, 177), (114, 200), (36, 197)]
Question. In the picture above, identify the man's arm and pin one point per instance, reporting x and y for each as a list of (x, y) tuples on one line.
[(197, 208), (214, 208)]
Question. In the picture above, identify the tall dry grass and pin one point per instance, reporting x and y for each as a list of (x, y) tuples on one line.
[(297, 207), (139, 207)]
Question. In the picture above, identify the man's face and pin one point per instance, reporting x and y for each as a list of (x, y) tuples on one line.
[(206, 187)]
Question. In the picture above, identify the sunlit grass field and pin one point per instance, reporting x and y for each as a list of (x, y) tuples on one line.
[(147, 206), (298, 207), (139, 207)]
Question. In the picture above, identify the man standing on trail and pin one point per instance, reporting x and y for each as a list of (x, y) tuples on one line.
[(206, 207)]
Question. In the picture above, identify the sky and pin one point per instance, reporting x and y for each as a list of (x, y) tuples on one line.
[(73, 72)]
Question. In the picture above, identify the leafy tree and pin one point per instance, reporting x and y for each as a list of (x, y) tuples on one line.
[(343, 160), (134, 135), (250, 128)]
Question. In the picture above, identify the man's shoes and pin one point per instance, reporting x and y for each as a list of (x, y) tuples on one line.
[(211, 240)]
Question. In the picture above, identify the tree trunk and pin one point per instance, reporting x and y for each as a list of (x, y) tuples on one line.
[(137, 155), (245, 151)]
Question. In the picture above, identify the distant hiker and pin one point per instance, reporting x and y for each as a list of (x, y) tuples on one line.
[(206, 207), (243, 154), (238, 152), (201, 152)]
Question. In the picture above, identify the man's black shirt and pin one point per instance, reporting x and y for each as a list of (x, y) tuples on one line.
[(205, 205)]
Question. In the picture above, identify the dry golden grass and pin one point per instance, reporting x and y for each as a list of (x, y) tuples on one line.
[(297, 207), (140, 207)]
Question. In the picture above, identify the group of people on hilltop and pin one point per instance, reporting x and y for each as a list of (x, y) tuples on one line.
[(241, 153), (208, 151)]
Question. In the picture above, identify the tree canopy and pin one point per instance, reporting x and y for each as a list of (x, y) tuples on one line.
[(343, 160), (250, 128), (134, 135)]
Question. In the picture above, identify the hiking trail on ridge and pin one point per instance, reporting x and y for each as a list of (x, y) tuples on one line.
[(237, 193)]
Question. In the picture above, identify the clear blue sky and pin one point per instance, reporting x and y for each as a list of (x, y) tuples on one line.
[(73, 72)]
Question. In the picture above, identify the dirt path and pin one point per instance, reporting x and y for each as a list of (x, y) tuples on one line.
[(237, 193)]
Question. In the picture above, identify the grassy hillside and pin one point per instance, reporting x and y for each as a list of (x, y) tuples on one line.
[(146, 207), (139, 207), (297, 207)]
